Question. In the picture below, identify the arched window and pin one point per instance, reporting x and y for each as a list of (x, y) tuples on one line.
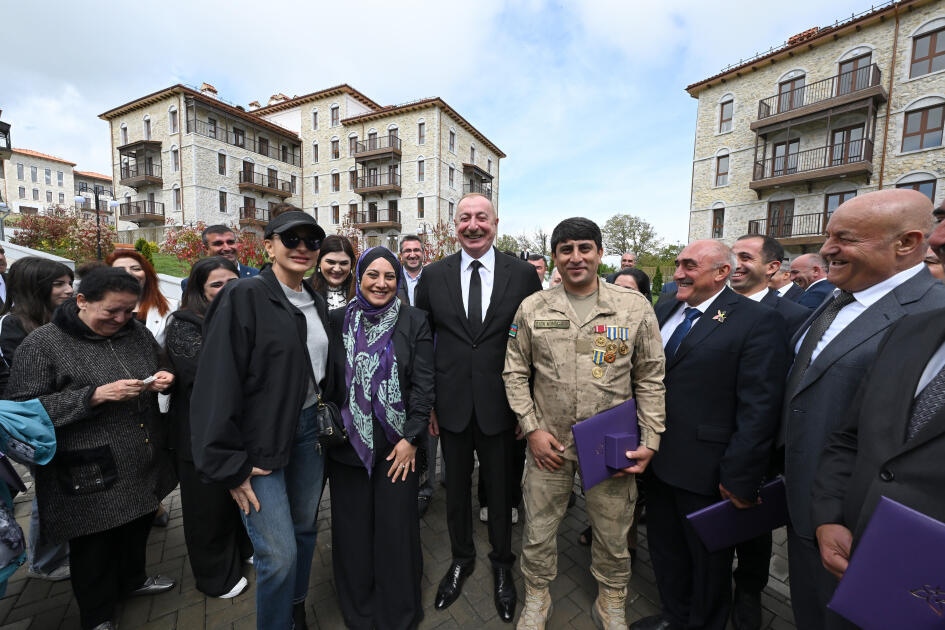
[(335, 116), (172, 120), (855, 70), (791, 90), (835, 195), (922, 181), (722, 165), (726, 112), (421, 131), (420, 206), (922, 123), (124, 134), (315, 153), (146, 123), (928, 48), (315, 126), (421, 169), (352, 144), (718, 220), (175, 158)]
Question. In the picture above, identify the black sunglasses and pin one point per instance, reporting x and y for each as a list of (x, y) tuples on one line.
[(291, 240)]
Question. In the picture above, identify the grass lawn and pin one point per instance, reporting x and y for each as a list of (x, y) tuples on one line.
[(168, 264)]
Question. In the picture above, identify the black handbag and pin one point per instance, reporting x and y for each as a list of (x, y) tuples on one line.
[(331, 428)]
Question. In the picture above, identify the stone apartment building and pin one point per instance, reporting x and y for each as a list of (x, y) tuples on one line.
[(786, 137), (98, 192), (181, 155)]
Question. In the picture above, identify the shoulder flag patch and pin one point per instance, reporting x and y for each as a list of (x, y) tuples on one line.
[(513, 330)]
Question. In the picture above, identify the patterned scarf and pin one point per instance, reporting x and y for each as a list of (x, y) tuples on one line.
[(371, 366)]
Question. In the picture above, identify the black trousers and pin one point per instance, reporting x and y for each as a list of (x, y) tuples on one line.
[(754, 563), (375, 531), (495, 462), (106, 566), (515, 479), (695, 585), (812, 586), (216, 538)]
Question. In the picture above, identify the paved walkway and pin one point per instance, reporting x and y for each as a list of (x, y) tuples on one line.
[(40, 605)]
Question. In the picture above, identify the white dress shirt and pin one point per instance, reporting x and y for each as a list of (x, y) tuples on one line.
[(862, 300), (757, 297), (785, 289), (680, 314), (3, 290), (934, 366), (486, 275), (411, 284)]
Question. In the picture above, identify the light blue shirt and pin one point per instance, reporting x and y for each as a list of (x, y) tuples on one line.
[(411, 284)]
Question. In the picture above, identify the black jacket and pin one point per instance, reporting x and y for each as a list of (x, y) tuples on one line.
[(868, 456), (815, 294), (413, 347), (183, 340), (792, 312), (11, 336), (723, 395), (469, 369), (252, 379)]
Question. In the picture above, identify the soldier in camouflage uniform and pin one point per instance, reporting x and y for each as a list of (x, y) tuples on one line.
[(574, 351)]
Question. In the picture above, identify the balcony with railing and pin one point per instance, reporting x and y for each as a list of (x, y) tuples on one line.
[(797, 227), (847, 87), (839, 160), (380, 182), (377, 218), (142, 212), (291, 154), (251, 215), (377, 148), (6, 145), (264, 183), (483, 188), (82, 188), (141, 174)]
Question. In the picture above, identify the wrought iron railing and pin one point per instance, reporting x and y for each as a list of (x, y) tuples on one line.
[(377, 143), (380, 215), (203, 128), (372, 180), (483, 188), (788, 225), (252, 213), (137, 208), (265, 180), (139, 170), (814, 159), (825, 89)]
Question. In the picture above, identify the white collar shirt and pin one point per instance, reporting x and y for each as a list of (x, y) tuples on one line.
[(862, 300), (785, 289), (411, 284), (679, 315), (486, 275), (757, 297)]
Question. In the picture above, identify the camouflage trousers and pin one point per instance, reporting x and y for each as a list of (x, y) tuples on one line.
[(609, 507)]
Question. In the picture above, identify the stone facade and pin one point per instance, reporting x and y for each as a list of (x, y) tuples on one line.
[(88, 183), (788, 197), (35, 182), (314, 145)]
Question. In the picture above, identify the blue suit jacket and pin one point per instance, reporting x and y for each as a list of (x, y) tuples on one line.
[(816, 294)]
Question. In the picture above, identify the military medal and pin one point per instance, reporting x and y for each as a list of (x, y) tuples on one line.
[(597, 372), (611, 347), (599, 357), (624, 348), (614, 333), (610, 357), (601, 341)]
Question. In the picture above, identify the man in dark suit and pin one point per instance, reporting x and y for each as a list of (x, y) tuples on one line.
[(471, 298), (809, 272), (757, 259), (725, 365), (781, 282), (875, 246), (219, 240)]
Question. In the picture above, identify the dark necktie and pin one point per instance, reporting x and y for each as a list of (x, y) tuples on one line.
[(474, 312), (681, 331), (926, 404), (816, 331)]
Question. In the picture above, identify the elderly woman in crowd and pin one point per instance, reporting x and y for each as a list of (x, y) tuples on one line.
[(387, 367), (253, 412), (153, 309), (35, 287), (217, 544), (96, 370), (332, 277)]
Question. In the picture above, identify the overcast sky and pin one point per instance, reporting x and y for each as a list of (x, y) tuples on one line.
[(587, 98)]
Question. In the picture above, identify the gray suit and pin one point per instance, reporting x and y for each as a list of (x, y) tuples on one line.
[(816, 409)]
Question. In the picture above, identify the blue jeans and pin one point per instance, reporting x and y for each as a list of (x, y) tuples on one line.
[(283, 531)]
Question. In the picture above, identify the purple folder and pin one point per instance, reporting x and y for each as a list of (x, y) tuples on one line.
[(591, 434), (722, 525), (896, 577)]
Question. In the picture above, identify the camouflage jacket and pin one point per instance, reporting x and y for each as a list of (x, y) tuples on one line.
[(559, 370)]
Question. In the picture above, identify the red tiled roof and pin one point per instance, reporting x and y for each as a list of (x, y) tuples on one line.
[(338, 89), (44, 156), (93, 175)]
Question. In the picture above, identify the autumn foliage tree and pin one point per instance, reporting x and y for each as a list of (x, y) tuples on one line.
[(64, 232), (186, 244)]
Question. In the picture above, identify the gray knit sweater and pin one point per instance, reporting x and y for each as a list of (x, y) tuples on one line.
[(111, 465)]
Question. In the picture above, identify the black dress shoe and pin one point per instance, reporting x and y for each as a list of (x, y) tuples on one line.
[(655, 622), (505, 595), (746, 611), (452, 584)]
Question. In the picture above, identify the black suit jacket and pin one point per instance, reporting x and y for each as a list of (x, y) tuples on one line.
[(794, 314), (469, 369), (723, 395), (794, 293), (868, 457), (815, 295), (823, 397)]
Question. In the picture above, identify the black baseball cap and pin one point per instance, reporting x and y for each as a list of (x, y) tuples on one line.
[(293, 219)]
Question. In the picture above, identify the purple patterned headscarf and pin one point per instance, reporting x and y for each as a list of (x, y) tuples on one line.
[(371, 366)]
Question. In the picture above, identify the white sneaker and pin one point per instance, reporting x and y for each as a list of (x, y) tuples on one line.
[(514, 516), (484, 514), (236, 590)]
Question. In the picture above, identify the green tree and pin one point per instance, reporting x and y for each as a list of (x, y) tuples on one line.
[(656, 284), (506, 243), (627, 233)]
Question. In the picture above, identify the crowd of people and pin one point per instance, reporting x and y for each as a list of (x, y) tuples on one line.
[(356, 370)]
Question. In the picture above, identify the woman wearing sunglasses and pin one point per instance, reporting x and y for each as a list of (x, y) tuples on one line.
[(263, 365), (386, 370)]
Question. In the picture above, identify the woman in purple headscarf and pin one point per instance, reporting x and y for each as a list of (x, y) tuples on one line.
[(387, 367)]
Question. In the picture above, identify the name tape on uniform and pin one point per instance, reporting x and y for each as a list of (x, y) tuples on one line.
[(552, 323)]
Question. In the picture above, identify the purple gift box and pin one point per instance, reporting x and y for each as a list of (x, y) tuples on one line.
[(590, 441), (616, 446)]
